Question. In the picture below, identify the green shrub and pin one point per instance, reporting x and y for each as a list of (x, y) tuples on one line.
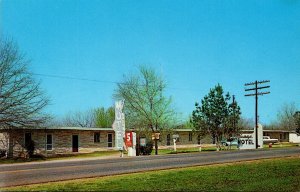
[(147, 149)]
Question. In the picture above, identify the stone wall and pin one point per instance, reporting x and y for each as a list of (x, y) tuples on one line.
[(3, 141), (61, 141)]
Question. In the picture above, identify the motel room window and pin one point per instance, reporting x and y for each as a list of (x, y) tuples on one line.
[(97, 137), (168, 139), (109, 140), (49, 142), (190, 136)]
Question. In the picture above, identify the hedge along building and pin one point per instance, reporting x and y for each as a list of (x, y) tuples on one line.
[(62, 140)]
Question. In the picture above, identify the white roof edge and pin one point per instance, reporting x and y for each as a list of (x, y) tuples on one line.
[(268, 130), (183, 130), (79, 128)]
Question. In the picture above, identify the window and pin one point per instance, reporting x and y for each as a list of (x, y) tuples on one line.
[(168, 139), (49, 142), (109, 140), (97, 137), (190, 136)]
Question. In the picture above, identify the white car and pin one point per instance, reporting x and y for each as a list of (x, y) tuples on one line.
[(267, 139)]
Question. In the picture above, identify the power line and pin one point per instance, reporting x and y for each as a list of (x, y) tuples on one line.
[(97, 81), (74, 78)]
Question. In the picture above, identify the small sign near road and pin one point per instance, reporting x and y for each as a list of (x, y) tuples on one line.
[(143, 142)]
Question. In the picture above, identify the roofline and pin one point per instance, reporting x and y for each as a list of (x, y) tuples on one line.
[(82, 128), (269, 130), (72, 128)]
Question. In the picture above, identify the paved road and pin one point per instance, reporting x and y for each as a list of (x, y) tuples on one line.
[(39, 172)]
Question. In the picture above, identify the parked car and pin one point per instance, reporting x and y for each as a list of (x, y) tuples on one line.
[(233, 141), (267, 139)]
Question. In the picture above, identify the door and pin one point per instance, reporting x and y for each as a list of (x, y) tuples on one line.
[(199, 140), (49, 142), (109, 140), (75, 143), (27, 139)]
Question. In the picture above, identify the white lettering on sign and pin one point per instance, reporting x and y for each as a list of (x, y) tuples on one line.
[(246, 143), (119, 125), (128, 137)]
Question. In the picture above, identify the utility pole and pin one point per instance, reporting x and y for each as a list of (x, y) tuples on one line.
[(233, 106), (256, 94)]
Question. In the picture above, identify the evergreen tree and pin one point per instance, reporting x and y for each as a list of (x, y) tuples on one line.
[(216, 116)]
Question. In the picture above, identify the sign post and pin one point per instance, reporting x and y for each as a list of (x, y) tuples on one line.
[(130, 141), (260, 136), (175, 137)]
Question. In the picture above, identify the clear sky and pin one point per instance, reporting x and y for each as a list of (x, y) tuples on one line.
[(194, 44)]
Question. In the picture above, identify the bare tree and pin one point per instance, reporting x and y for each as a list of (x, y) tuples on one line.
[(286, 116), (146, 108), (246, 124), (297, 121), (21, 99), (99, 117), (79, 119)]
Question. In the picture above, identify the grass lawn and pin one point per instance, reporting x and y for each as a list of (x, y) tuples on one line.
[(280, 145), (263, 175), (182, 150), (196, 149)]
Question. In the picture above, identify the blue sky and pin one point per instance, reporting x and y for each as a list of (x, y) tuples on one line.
[(194, 44)]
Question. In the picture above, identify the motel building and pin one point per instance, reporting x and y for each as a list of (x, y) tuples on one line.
[(70, 140)]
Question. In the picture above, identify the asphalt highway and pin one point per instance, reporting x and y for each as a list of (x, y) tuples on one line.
[(40, 172)]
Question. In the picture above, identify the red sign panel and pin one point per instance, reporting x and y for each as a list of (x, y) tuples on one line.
[(128, 139)]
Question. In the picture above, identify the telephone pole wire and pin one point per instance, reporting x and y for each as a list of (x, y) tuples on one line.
[(256, 94)]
